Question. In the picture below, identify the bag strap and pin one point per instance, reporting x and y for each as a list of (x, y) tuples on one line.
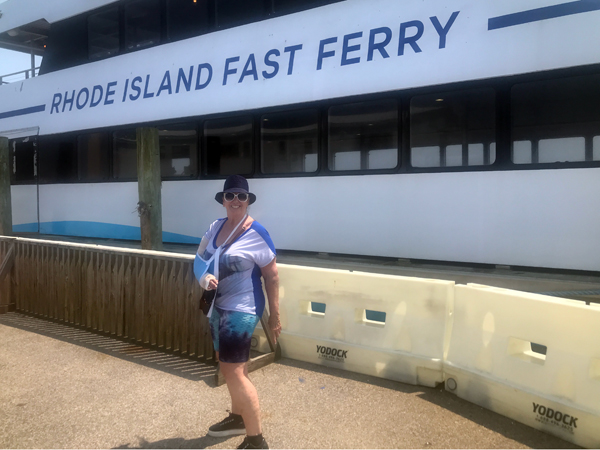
[(234, 230), (222, 249), (225, 242)]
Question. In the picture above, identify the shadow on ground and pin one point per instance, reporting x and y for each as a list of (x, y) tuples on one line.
[(188, 368), (201, 442)]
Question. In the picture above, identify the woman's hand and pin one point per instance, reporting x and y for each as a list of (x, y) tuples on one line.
[(212, 283), (209, 282), (275, 326), (271, 276)]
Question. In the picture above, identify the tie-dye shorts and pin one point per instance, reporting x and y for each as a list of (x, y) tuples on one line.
[(231, 333)]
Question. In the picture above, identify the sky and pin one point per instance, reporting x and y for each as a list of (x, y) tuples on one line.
[(11, 62)]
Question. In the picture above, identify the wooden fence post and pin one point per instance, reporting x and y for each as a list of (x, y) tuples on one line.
[(5, 205), (149, 185), (7, 261)]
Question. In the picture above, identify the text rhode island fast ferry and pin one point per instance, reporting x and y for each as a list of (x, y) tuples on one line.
[(441, 130)]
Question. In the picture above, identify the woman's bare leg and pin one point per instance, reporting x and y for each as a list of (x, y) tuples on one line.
[(244, 398)]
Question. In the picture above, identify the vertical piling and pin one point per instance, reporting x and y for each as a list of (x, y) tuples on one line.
[(149, 185), (5, 205)]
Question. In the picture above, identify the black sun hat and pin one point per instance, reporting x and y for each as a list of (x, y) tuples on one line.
[(235, 183)]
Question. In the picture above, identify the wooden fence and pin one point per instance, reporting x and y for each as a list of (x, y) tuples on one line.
[(146, 297), (7, 256)]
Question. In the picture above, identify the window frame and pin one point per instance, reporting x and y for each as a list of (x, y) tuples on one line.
[(124, 26), (443, 149), (198, 159), (259, 165), (118, 11), (588, 135), (113, 159), (355, 101), (204, 164), (108, 149), (70, 138)]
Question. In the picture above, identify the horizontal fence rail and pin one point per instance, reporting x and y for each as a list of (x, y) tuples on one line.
[(145, 297)]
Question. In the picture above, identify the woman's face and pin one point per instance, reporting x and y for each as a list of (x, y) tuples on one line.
[(235, 206)]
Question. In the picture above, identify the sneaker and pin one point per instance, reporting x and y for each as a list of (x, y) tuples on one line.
[(247, 444), (233, 425)]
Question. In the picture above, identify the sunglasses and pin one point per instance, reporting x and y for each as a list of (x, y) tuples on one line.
[(229, 196)]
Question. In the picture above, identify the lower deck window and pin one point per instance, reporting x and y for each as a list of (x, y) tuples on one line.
[(125, 155), (92, 157), (229, 146), (289, 142), (363, 136), (556, 121), (58, 159), (453, 129), (178, 151)]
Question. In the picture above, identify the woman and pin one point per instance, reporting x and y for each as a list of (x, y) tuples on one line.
[(246, 253)]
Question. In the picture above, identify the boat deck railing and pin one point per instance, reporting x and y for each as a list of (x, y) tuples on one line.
[(21, 74)]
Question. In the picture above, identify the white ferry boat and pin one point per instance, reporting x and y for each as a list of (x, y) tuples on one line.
[(453, 131)]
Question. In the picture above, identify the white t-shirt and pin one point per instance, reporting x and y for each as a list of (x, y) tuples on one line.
[(240, 283)]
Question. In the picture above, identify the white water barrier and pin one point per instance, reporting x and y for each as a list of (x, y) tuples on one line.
[(529, 357), (387, 326)]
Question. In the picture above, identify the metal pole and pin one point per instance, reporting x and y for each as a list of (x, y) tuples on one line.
[(32, 64)]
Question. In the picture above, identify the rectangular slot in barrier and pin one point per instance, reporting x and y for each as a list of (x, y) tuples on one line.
[(527, 351), (317, 309), (539, 348), (371, 318)]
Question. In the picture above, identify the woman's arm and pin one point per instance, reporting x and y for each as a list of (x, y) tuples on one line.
[(208, 281), (271, 276)]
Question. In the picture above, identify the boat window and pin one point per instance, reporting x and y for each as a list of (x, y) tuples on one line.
[(187, 18), (178, 151), (229, 146), (66, 46), (142, 24), (103, 34), (92, 157), (559, 119), (453, 129), (289, 142), (363, 136), (290, 6), (125, 155), (231, 13), (23, 160), (57, 159)]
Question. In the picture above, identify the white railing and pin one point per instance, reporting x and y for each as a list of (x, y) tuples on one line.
[(33, 72)]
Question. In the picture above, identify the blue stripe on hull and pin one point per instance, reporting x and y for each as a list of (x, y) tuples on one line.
[(108, 231), (25, 228)]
